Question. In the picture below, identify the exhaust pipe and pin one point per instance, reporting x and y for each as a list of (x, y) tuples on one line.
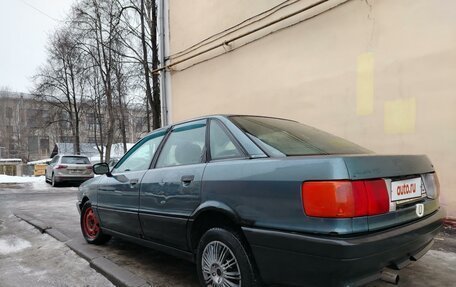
[(388, 275)]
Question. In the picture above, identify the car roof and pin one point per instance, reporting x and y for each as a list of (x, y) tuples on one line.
[(216, 116), (213, 116), (73, 155)]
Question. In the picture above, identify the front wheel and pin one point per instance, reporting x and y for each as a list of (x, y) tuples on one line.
[(90, 226), (222, 260)]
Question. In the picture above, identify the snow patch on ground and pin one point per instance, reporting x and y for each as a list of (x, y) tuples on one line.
[(12, 244), (41, 184), (21, 179), (443, 255)]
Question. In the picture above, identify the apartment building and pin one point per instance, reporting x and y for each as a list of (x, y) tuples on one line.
[(29, 129)]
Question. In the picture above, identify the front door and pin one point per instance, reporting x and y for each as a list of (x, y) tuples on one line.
[(118, 195), (171, 191)]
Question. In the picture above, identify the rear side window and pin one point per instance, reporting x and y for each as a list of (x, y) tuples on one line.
[(221, 145), (54, 160), (75, 160), (280, 137)]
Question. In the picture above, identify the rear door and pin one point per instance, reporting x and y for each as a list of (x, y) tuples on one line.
[(171, 191), (118, 196)]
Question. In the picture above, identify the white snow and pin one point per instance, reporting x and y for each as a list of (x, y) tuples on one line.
[(12, 244), (20, 179), (18, 160), (41, 161)]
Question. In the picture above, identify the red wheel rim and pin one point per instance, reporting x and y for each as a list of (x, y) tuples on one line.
[(90, 224)]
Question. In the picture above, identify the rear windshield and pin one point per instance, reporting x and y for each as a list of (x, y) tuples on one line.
[(279, 137), (75, 160)]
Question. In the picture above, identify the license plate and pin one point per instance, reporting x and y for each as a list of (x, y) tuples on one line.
[(406, 189)]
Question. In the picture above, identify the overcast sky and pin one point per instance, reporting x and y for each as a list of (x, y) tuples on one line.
[(25, 26)]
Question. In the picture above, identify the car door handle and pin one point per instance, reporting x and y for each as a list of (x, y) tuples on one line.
[(133, 182), (187, 179)]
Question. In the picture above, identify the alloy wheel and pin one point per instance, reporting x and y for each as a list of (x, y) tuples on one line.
[(219, 265)]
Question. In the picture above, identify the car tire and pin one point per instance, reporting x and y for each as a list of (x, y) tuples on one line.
[(53, 182), (232, 263), (90, 226)]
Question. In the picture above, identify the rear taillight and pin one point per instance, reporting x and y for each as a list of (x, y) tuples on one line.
[(89, 167), (343, 198), (61, 166)]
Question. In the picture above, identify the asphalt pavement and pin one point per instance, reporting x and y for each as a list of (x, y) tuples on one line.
[(29, 256)]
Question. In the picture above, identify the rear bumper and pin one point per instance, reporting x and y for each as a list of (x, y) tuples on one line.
[(296, 259), (66, 178)]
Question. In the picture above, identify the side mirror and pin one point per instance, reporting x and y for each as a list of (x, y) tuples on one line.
[(101, 168)]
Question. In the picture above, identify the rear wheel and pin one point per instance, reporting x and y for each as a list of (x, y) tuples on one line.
[(90, 226), (53, 182), (222, 260), (46, 178)]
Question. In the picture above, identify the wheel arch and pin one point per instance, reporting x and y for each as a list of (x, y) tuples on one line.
[(208, 215), (84, 199)]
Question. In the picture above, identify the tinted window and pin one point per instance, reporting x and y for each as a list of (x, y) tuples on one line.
[(185, 145), (54, 160), (140, 156), (75, 160), (284, 137), (221, 144)]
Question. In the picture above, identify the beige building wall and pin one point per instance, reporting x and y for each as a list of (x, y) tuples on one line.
[(379, 73)]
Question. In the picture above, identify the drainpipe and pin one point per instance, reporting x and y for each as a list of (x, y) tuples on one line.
[(163, 51)]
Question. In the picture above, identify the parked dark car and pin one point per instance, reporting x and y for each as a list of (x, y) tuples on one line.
[(259, 200)]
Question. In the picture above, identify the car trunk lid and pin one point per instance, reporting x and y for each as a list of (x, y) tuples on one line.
[(77, 169), (386, 166), (405, 177)]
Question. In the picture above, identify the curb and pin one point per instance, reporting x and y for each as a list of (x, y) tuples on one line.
[(38, 224), (118, 275), (450, 222)]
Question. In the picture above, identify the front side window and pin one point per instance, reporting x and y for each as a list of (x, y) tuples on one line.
[(140, 156), (185, 145), (221, 145)]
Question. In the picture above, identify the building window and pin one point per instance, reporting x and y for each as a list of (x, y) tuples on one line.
[(91, 118), (44, 146), (33, 144), (33, 118), (9, 131), (9, 112), (64, 121), (66, 139), (93, 127), (12, 148)]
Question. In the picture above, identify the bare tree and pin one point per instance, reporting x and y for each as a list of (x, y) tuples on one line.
[(142, 48), (61, 80), (97, 23), (98, 63)]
